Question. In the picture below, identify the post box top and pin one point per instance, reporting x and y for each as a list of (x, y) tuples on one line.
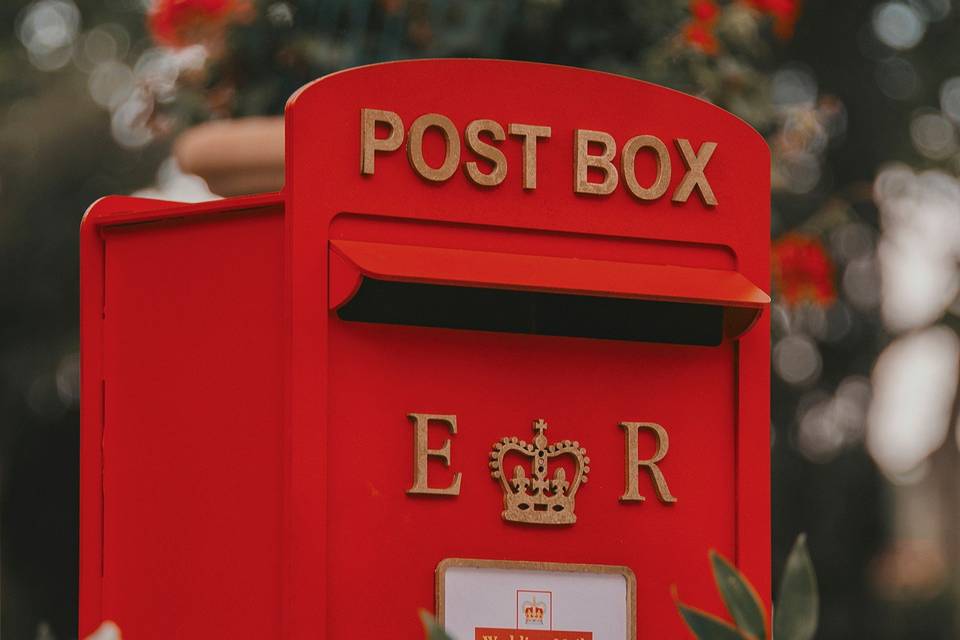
[(528, 146)]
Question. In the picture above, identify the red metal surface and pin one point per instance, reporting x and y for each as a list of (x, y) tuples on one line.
[(181, 416), (255, 462), (547, 273)]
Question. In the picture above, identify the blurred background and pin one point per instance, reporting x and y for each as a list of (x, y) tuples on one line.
[(859, 101)]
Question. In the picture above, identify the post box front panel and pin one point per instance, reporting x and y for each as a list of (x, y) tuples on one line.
[(367, 543), (192, 432), (385, 543)]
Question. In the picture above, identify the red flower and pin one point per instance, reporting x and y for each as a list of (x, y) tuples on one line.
[(704, 10), (784, 27), (802, 270), (179, 23), (784, 13), (775, 7), (700, 36)]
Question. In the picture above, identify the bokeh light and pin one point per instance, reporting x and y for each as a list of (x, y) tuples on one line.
[(933, 135), (48, 29), (950, 98), (796, 359), (793, 86), (898, 25), (932, 10), (111, 83), (897, 78), (861, 283), (831, 423), (130, 120)]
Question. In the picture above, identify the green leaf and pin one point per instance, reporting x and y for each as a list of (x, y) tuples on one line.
[(706, 626), (798, 605), (434, 631), (740, 597)]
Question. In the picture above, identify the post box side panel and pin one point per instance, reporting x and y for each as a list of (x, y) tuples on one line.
[(192, 437), (753, 456), (91, 383)]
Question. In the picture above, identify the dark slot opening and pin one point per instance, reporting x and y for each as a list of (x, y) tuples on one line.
[(549, 314)]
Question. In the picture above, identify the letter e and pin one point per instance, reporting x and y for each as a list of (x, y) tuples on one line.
[(421, 454)]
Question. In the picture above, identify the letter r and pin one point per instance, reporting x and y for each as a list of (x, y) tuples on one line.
[(632, 492)]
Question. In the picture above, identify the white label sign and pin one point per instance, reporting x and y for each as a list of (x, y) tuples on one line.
[(492, 600)]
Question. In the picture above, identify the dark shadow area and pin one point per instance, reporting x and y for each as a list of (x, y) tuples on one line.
[(531, 312)]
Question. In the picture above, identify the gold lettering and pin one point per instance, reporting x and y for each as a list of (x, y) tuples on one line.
[(370, 144), (696, 164), (662, 181), (486, 151), (422, 453), (632, 492), (603, 162), (451, 139), (530, 134)]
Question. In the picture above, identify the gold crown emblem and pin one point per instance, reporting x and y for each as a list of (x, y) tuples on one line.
[(533, 611), (539, 499)]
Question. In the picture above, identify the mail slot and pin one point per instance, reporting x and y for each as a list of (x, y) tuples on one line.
[(498, 350), (483, 290)]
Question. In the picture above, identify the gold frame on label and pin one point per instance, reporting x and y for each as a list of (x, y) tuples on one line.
[(526, 565)]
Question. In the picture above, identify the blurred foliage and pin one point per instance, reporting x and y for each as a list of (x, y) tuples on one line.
[(56, 157), (274, 47), (795, 616), (433, 630)]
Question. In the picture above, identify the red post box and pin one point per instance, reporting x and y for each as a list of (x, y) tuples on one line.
[(499, 349)]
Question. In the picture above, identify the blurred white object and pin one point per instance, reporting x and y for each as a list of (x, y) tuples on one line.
[(174, 184), (920, 246), (914, 383), (106, 631)]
